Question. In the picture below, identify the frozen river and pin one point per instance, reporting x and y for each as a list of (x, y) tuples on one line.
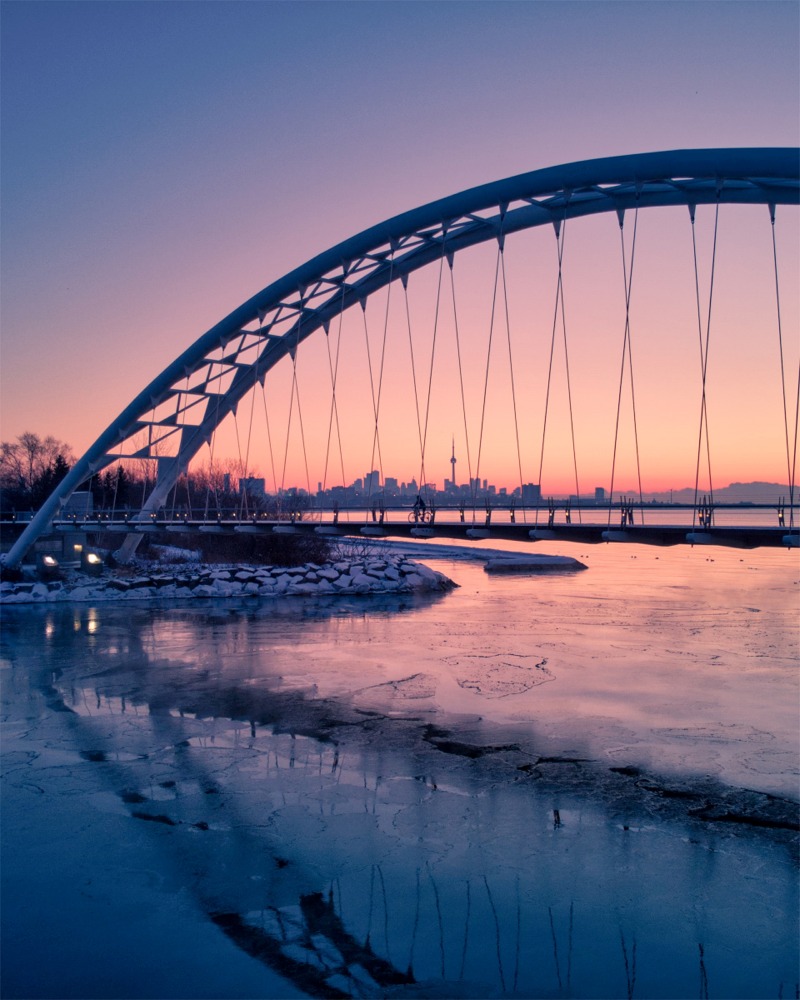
[(575, 784)]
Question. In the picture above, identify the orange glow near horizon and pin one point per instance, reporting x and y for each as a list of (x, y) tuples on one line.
[(744, 395)]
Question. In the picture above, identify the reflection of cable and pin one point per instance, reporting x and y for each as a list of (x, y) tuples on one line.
[(518, 943), (371, 901), (438, 916), (569, 948), (555, 947), (385, 912), (630, 967), (466, 932), (497, 932), (414, 933), (703, 975)]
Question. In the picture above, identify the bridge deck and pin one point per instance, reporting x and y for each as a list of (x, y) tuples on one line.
[(735, 536)]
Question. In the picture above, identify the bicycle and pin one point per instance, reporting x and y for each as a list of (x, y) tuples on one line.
[(417, 516)]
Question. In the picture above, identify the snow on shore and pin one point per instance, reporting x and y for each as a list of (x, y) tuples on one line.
[(388, 574)]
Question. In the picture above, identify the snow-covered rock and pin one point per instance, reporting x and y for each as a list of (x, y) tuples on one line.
[(394, 574)]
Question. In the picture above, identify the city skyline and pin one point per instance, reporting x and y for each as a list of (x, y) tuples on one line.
[(528, 493)]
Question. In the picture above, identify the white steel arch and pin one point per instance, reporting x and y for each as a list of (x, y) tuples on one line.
[(180, 409)]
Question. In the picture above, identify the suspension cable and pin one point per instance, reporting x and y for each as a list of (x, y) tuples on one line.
[(269, 437), (560, 231), (474, 490), (145, 481), (375, 403), (450, 259), (569, 390), (628, 276), (244, 507), (628, 288), (333, 369), (376, 438), (793, 477), (511, 372), (289, 420), (423, 475), (239, 453), (188, 494), (186, 473), (211, 483), (114, 497), (295, 392), (242, 461), (181, 422), (789, 462), (303, 440), (404, 280), (704, 359)]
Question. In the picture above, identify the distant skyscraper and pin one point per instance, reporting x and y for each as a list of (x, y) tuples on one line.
[(254, 486), (531, 493)]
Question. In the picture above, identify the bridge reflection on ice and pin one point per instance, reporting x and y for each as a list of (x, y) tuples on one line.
[(391, 800)]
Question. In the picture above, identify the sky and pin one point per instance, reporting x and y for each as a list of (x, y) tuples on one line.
[(162, 162)]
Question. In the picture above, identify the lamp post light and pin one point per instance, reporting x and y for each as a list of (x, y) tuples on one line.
[(91, 563), (48, 567)]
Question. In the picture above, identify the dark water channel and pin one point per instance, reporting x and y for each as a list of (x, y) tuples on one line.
[(578, 785)]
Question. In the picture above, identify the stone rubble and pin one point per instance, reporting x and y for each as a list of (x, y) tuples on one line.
[(391, 574)]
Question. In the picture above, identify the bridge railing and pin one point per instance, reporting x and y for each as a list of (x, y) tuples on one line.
[(780, 513)]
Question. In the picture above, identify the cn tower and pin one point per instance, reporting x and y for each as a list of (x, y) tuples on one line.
[(453, 463)]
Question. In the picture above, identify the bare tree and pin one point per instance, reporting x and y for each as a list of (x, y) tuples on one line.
[(23, 462), (31, 466)]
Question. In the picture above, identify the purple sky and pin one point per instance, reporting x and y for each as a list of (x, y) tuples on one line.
[(161, 162)]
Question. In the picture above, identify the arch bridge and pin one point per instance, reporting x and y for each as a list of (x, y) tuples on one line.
[(183, 411)]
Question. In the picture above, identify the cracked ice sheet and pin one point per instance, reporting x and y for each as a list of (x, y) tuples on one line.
[(244, 792), (668, 657), (674, 658)]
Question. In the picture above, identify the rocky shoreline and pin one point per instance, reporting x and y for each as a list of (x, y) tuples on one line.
[(390, 574)]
